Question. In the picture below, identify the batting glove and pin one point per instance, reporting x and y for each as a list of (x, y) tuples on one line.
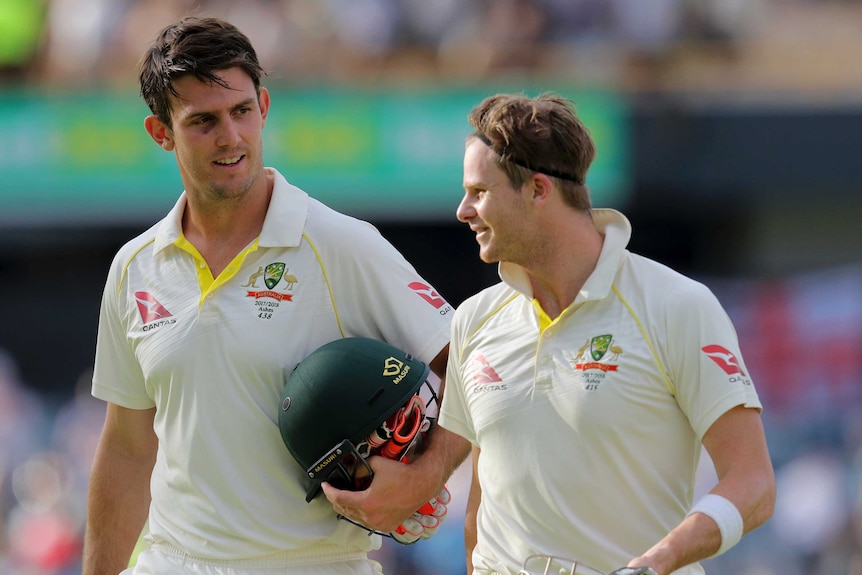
[(425, 521)]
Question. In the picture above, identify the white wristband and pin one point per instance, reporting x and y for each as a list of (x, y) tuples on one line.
[(726, 516)]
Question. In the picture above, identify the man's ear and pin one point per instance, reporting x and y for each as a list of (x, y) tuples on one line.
[(542, 187), (264, 102), (159, 132)]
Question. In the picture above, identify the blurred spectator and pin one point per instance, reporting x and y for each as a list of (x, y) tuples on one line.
[(24, 431), (24, 424), (75, 39), (43, 538), (21, 24)]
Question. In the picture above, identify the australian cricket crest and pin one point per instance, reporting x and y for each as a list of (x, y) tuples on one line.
[(599, 346), (273, 274), (268, 300), (588, 360)]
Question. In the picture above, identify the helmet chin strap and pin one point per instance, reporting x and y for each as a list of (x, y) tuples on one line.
[(361, 526)]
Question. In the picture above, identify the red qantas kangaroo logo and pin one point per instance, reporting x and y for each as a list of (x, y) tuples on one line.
[(428, 294), (485, 373), (150, 308), (724, 359)]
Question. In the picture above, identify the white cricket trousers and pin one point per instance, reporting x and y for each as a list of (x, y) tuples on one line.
[(167, 561)]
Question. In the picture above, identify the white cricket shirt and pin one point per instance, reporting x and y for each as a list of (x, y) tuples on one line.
[(590, 428), (212, 356)]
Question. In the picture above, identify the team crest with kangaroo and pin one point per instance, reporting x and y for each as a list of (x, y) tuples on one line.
[(268, 300), (273, 274), (599, 346), (593, 369)]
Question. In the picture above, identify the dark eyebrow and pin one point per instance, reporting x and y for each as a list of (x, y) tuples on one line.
[(246, 102), (206, 114)]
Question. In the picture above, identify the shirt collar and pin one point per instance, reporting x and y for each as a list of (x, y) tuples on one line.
[(617, 231), (285, 218), (283, 225)]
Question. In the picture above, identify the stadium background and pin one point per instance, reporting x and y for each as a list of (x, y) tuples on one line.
[(729, 131)]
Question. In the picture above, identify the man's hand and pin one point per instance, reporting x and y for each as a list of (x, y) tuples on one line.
[(396, 492)]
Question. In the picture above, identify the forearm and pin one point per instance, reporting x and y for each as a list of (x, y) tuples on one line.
[(444, 452), (471, 530), (118, 502), (695, 539), (699, 537)]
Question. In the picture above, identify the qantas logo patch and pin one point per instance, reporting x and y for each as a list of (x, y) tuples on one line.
[(484, 371), (150, 308), (724, 359), (428, 294), (485, 377)]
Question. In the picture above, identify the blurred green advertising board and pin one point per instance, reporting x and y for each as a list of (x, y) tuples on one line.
[(86, 158)]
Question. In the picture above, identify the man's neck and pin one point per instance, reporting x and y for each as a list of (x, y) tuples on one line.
[(560, 275), (221, 231)]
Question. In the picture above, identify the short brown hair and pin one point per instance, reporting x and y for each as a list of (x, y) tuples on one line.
[(541, 134), (197, 46)]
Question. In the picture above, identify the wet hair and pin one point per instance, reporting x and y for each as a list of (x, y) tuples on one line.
[(196, 46), (541, 134)]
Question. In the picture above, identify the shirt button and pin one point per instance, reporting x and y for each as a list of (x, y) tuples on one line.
[(203, 265)]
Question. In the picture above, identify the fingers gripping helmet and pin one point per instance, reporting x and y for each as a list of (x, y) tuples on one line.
[(336, 399)]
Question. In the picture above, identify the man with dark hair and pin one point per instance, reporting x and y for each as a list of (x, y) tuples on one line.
[(588, 379), (205, 314)]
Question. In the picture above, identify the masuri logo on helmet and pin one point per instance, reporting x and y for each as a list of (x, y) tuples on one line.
[(339, 396)]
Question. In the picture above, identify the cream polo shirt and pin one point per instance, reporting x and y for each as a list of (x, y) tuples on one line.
[(212, 355), (590, 428)]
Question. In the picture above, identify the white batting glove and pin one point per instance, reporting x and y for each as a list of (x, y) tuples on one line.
[(425, 521)]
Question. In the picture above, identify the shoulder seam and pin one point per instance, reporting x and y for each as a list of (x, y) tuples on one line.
[(129, 262), (488, 316), (325, 279), (653, 352)]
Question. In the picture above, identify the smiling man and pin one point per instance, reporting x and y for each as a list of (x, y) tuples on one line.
[(607, 376), (205, 315), (586, 381)]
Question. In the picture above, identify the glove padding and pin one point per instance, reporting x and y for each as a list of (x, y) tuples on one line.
[(425, 521), (395, 440), (634, 571)]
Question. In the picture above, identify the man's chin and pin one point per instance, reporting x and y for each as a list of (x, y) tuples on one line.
[(488, 257)]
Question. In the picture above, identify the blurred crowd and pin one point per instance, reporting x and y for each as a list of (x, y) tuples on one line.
[(86, 42), (633, 45), (44, 465)]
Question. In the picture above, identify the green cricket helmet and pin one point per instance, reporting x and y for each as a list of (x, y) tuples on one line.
[(339, 396)]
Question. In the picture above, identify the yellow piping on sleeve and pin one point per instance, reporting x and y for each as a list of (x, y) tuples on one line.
[(667, 380), (128, 263), (326, 279), (482, 323)]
